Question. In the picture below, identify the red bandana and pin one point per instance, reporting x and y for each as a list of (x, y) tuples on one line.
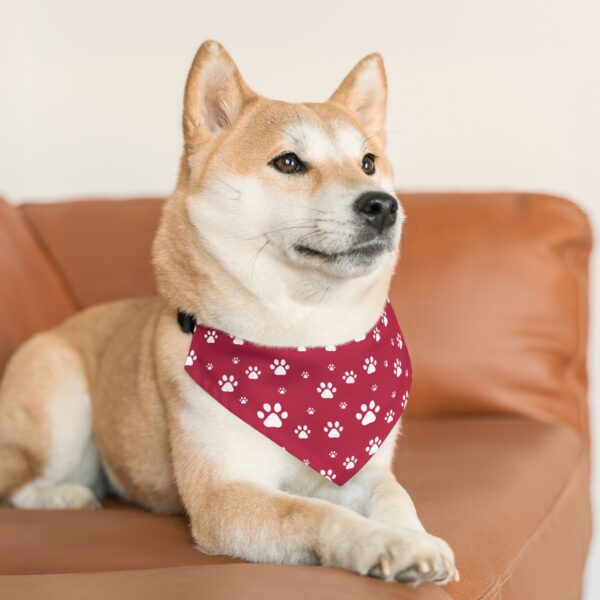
[(330, 407)]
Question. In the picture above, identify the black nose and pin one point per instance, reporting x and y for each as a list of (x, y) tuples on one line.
[(378, 209)]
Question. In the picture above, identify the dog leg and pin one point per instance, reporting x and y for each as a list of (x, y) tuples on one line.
[(374, 493), (48, 458), (250, 522)]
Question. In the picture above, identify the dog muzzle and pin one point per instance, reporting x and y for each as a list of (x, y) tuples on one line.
[(331, 407)]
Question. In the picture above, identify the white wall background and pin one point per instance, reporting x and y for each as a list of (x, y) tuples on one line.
[(483, 94)]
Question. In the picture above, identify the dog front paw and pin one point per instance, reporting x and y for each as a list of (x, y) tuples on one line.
[(404, 555)]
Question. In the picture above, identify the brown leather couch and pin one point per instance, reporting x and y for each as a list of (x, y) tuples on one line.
[(492, 294)]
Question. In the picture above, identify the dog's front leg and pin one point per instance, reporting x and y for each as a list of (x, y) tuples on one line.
[(248, 521)]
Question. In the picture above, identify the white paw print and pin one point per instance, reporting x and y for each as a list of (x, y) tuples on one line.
[(376, 334), (302, 431), (238, 341), (301, 348), (253, 372), (389, 416), (211, 336), (306, 461), (360, 338), (374, 387), (326, 390), (385, 363), (373, 445), (280, 366), (333, 454), (349, 462), (331, 367), (343, 405), (310, 410), (349, 377), (404, 399), (406, 372), (272, 417), (235, 360), (328, 474), (368, 413), (227, 383), (330, 348), (243, 400), (370, 365), (384, 319), (333, 429), (393, 394), (281, 391), (191, 359), (397, 368), (399, 342), (304, 375), (209, 366)]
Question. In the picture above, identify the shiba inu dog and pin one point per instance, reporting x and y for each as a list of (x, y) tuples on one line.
[(283, 229)]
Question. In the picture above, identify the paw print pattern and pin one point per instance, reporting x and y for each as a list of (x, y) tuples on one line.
[(279, 366), (326, 390), (376, 334), (374, 387), (349, 377), (302, 431), (389, 416), (333, 429), (349, 462), (331, 367), (399, 342), (191, 359), (368, 413), (306, 461), (373, 445), (305, 375), (211, 336), (235, 360), (272, 416), (333, 454), (404, 400), (281, 391), (328, 474), (209, 366), (238, 341), (330, 348), (343, 405), (253, 372), (227, 383), (310, 410), (397, 368), (243, 400), (384, 319), (370, 365)]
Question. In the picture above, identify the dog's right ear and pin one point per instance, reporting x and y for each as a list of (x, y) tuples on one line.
[(215, 94)]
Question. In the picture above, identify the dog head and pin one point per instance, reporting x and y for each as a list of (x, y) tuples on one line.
[(301, 188)]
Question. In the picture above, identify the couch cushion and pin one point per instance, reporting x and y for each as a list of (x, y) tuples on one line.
[(491, 291), (32, 295), (500, 490), (102, 247)]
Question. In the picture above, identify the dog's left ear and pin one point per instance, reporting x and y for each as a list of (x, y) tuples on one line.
[(364, 94), (215, 95)]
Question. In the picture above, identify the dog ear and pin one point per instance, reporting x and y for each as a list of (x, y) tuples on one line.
[(215, 94), (364, 94)]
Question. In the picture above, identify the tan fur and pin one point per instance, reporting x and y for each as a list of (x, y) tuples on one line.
[(225, 251)]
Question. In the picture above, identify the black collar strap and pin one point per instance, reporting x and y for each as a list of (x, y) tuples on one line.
[(187, 321)]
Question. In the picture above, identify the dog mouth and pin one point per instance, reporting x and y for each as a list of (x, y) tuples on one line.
[(362, 251)]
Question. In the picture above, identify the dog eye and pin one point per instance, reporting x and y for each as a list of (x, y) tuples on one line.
[(288, 163), (368, 164)]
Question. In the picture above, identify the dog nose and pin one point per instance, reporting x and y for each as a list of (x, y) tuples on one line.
[(377, 208)]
